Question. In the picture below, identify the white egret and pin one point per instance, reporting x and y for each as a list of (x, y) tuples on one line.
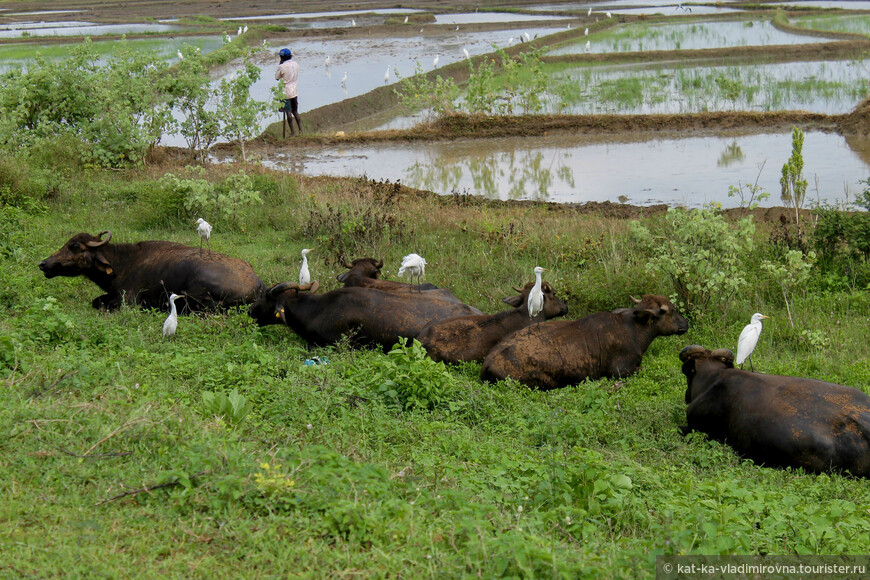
[(239, 31), (326, 62), (344, 79), (203, 228), (528, 38), (352, 22), (414, 265), (607, 14), (467, 56), (245, 29), (304, 274), (457, 28), (387, 76), (536, 296), (180, 56), (421, 31), (588, 46), (586, 32), (589, 13), (435, 61), (406, 20), (748, 339), (171, 322)]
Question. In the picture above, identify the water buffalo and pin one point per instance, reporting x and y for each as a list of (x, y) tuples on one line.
[(777, 420), (367, 272), (470, 338), (564, 352), (369, 315), (146, 273)]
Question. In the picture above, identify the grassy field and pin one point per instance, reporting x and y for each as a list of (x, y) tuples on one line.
[(219, 453)]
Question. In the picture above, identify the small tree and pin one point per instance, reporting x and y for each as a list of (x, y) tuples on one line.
[(794, 186), (238, 113), (190, 94)]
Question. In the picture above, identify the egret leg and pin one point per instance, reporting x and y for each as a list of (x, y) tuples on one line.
[(208, 243), (751, 368), (200, 247)]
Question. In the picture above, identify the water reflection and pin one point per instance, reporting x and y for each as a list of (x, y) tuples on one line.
[(730, 155), (511, 174)]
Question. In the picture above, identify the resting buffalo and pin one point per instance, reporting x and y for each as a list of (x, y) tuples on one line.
[(145, 273), (369, 315), (564, 352), (777, 420), (367, 272), (470, 338)]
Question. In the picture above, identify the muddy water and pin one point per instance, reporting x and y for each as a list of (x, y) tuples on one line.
[(686, 36), (688, 171)]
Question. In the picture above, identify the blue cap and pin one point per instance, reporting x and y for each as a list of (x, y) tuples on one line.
[(285, 52)]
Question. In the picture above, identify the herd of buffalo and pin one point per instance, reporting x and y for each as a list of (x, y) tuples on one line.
[(774, 420)]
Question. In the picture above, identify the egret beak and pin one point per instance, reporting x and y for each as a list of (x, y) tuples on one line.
[(765, 316)]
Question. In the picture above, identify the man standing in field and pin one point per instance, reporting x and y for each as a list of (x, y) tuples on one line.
[(288, 70)]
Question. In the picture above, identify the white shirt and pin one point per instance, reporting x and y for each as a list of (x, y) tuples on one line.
[(289, 71)]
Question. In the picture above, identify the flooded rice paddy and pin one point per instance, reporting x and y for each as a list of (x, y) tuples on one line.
[(689, 171), (853, 23), (685, 36), (74, 28)]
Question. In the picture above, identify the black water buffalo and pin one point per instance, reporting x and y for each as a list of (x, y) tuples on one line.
[(776, 420), (367, 272), (145, 273), (564, 352), (368, 315), (470, 338)]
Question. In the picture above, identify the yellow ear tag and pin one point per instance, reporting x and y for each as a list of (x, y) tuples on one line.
[(109, 270)]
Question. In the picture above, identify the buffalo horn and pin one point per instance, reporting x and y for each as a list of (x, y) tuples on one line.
[(520, 290), (723, 354), (101, 242), (348, 264), (635, 300), (278, 288), (690, 350)]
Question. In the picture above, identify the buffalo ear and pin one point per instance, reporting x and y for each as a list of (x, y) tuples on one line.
[(103, 264), (724, 355), (343, 276), (690, 351), (513, 300), (646, 316), (314, 286)]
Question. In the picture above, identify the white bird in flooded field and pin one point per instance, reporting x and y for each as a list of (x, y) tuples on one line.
[(352, 22), (526, 35), (607, 14), (171, 322), (180, 56), (588, 46), (586, 32), (748, 339), (239, 31), (465, 50), (326, 62), (387, 76), (304, 274), (589, 13), (245, 29), (344, 79), (457, 28), (203, 228), (406, 20), (435, 61), (536, 296), (414, 266)]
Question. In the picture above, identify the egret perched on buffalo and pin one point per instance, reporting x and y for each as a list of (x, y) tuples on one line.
[(536, 296), (748, 339), (171, 322), (414, 266), (304, 274), (203, 228)]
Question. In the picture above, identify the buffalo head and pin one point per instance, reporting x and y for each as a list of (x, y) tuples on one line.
[(553, 306), (269, 308), (365, 267), (659, 312), (695, 357), (81, 255)]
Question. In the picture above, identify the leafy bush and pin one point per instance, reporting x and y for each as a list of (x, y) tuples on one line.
[(702, 254), (226, 201), (407, 379), (239, 115), (232, 408), (422, 92), (842, 241)]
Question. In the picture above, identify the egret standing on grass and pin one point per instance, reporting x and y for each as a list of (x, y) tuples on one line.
[(245, 29), (406, 20), (171, 322), (536, 296), (203, 228), (467, 56), (304, 274), (180, 56), (413, 265), (239, 31), (748, 339)]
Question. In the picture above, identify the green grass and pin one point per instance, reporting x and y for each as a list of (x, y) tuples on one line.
[(327, 476)]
